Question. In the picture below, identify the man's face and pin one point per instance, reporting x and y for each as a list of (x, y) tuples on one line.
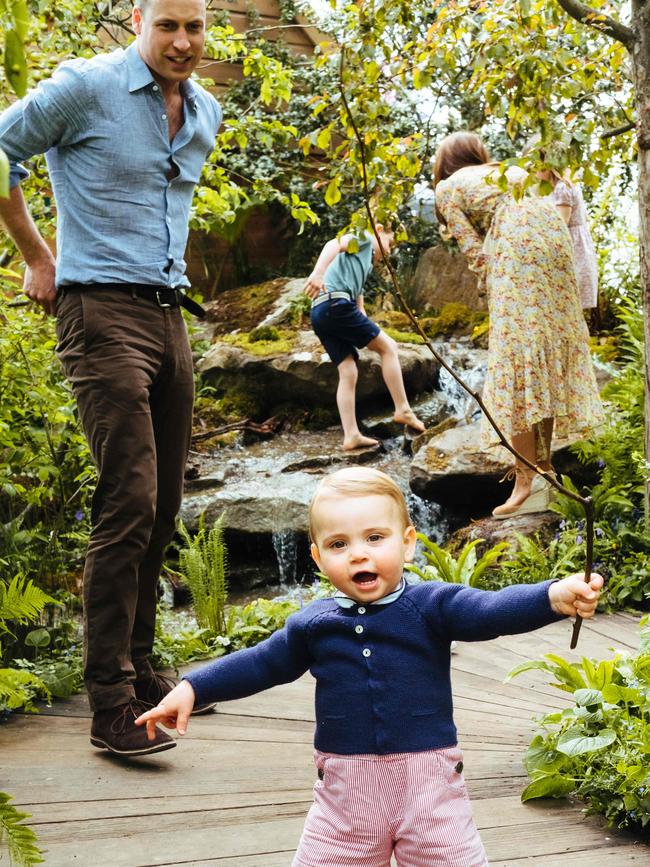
[(171, 35)]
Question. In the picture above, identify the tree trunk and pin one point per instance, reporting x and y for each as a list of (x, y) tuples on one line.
[(641, 63)]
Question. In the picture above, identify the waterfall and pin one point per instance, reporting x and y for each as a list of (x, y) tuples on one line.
[(285, 544)]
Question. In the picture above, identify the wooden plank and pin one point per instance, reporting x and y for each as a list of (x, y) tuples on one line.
[(619, 856)]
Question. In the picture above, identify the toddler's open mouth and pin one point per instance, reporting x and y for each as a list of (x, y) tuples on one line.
[(364, 577)]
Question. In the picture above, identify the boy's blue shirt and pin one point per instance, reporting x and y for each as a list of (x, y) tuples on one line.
[(349, 271), (382, 672)]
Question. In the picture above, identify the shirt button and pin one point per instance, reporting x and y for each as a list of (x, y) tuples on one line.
[(361, 609), (164, 117), (366, 652), (155, 88), (358, 629)]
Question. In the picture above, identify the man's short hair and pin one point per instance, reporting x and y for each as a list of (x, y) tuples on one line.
[(359, 482)]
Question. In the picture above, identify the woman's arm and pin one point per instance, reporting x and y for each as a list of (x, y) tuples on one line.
[(460, 228)]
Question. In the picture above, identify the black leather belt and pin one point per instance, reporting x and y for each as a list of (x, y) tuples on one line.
[(163, 296)]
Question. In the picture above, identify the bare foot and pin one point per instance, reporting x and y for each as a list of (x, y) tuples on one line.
[(409, 418), (358, 442)]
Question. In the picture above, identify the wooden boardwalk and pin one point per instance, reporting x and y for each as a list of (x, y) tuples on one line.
[(236, 789)]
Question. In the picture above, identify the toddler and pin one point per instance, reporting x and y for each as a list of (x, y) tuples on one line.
[(339, 319), (390, 772)]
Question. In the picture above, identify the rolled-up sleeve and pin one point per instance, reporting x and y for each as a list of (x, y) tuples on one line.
[(52, 114)]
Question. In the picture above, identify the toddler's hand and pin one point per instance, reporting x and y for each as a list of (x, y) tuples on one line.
[(573, 595), (173, 711)]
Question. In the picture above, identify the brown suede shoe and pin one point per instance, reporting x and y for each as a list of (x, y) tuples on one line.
[(152, 690), (114, 729)]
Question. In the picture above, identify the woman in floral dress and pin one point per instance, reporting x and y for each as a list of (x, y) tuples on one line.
[(540, 378)]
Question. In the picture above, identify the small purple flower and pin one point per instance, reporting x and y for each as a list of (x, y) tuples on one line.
[(578, 540), (78, 515), (600, 463), (599, 532)]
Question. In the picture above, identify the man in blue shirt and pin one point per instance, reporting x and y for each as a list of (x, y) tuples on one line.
[(125, 136)]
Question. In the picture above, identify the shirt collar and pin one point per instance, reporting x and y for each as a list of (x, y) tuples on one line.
[(344, 601), (139, 76)]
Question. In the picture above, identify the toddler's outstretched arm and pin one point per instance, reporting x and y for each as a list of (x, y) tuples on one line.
[(173, 711), (573, 595)]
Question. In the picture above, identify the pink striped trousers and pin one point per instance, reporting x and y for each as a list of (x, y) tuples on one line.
[(368, 807)]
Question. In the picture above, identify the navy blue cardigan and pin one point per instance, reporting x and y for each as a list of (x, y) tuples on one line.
[(382, 671)]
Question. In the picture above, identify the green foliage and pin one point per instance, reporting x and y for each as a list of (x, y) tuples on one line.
[(264, 332), (617, 449), (597, 748), (179, 640), (467, 569), (19, 838), (20, 603), (249, 624), (46, 473), (203, 565)]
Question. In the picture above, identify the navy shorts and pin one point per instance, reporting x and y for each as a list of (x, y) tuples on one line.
[(342, 328)]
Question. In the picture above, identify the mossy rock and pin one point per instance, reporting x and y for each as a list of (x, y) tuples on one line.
[(393, 319), (453, 317), (263, 341), (245, 307), (404, 336)]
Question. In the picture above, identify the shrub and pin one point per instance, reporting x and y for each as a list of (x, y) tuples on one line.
[(467, 569), (598, 748)]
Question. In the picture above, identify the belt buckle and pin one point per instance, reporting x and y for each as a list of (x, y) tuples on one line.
[(159, 301)]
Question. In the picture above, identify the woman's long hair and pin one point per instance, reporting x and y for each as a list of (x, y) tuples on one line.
[(458, 150)]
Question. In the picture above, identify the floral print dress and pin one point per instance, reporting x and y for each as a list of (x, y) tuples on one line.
[(539, 364), (584, 254)]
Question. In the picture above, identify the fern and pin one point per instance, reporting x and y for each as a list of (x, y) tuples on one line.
[(20, 839), (20, 600), (467, 569), (203, 565)]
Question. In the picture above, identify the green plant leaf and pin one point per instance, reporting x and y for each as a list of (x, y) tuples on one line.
[(574, 742), (552, 786)]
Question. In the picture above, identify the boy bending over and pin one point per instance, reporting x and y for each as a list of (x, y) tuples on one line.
[(390, 772), (339, 319)]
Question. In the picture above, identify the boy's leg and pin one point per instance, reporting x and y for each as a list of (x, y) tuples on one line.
[(346, 402), (437, 827), (346, 825), (392, 373)]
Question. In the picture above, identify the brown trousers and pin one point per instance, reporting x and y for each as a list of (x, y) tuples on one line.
[(130, 366)]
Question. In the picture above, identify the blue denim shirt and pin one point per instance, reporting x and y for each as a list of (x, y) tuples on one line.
[(123, 190)]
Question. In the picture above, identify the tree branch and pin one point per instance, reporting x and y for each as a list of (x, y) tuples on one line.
[(586, 502), (619, 130), (603, 23)]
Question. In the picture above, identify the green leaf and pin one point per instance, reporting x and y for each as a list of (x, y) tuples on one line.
[(20, 14), (588, 697), (15, 63), (574, 742), (333, 191), (37, 638), (553, 786), (531, 665), (4, 175)]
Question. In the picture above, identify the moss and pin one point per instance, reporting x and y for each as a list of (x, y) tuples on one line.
[(322, 417), (394, 319), (263, 332), (453, 317), (238, 403), (403, 336), (245, 306), (605, 347), (284, 342), (480, 334)]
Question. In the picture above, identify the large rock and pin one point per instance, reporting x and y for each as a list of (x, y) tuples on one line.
[(306, 375), (442, 277), (452, 469)]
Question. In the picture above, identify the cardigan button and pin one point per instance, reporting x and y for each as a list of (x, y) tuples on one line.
[(361, 609), (358, 629), (459, 768), (366, 652)]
